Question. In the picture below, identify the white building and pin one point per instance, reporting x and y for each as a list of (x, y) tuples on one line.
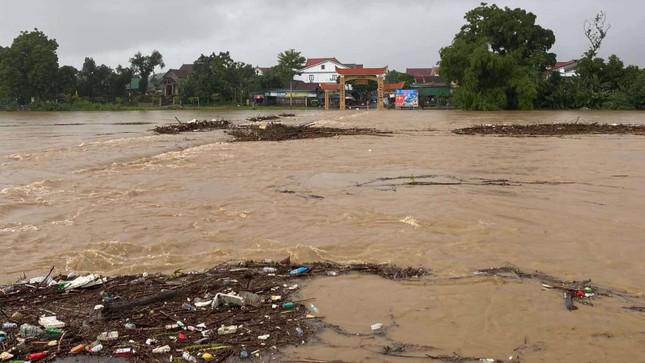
[(566, 69), (320, 70)]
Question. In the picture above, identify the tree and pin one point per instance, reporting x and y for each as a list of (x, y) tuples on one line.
[(29, 67), (66, 81), (143, 66), (218, 77), (596, 30), (498, 58), (290, 62), (393, 76)]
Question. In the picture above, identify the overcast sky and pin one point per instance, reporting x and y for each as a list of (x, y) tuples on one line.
[(381, 32)]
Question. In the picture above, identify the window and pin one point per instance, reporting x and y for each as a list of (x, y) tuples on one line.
[(322, 67), (311, 78)]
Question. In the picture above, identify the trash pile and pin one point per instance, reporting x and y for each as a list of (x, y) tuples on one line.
[(245, 311), (192, 125), (554, 129), (281, 132)]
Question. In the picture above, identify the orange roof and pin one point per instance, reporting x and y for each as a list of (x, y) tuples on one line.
[(392, 86), (329, 86), (313, 61), (361, 71)]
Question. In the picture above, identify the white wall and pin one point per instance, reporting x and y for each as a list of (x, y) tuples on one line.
[(320, 73)]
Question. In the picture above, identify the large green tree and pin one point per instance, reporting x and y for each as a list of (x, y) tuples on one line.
[(498, 58), (219, 78), (29, 68), (290, 62), (393, 76), (66, 81), (144, 65)]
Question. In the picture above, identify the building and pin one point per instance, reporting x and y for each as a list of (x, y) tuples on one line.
[(171, 81), (322, 70), (259, 71), (423, 75), (566, 69), (433, 90), (298, 94)]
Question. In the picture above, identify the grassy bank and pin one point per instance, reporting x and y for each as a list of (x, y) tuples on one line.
[(89, 106)]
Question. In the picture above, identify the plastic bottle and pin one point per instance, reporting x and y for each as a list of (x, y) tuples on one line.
[(124, 352), (95, 347), (107, 336), (288, 305), (9, 326), (30, 331), (188, 358), (313, 309), (53, 332), (244, 354), (161, 350), (269, 270), (36, 356), (299, 270), (224, 330)]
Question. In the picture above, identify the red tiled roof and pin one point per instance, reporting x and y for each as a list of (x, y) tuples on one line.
[(393, 86), (559, 65), (361, 71), (329, 86), (313, 61), (422, 72)]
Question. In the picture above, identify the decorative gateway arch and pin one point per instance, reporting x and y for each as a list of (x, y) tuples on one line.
[(353, 74)]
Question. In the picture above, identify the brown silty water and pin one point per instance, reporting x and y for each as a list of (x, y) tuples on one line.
[(99, 192)]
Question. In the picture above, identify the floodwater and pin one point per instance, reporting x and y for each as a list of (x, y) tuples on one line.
[(99, 192)]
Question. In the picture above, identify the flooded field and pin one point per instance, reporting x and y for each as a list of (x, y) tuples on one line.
[(99, 192)]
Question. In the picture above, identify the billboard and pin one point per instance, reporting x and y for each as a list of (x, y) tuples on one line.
[(406, 98)]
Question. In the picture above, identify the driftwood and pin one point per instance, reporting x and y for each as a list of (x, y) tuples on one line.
[(114, 310), (554, 129), (194, 125), (280, 132)]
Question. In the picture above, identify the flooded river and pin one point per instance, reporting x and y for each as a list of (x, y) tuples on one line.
[(99, 192)]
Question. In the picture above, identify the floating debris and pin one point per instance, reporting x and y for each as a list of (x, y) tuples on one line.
[(281, 132), (193, 125), (554, 129)]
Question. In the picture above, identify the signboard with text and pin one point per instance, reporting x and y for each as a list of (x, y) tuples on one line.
[(406, 98)]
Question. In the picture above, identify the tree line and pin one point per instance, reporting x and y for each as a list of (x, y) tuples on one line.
[(500, 59), (30, 75)]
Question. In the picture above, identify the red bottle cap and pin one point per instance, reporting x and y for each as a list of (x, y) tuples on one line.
[(580, 293)]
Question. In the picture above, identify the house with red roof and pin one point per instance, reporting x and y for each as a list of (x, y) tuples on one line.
[(170, 81), (322, 70), (566, 68)]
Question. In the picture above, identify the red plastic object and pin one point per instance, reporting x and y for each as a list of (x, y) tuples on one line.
[(580, 293), (181, 337), (36, 356), (124, 352)]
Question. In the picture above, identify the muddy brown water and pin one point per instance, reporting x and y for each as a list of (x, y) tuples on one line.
[(99, 192)]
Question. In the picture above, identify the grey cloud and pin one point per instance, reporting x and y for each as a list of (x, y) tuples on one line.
[(380, 32)]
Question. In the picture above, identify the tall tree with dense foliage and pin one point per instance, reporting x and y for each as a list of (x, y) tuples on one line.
[(290, 62), (219, 78), (498, 58), (66, 81), (144, 65), (393, 76), (29, 68)]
